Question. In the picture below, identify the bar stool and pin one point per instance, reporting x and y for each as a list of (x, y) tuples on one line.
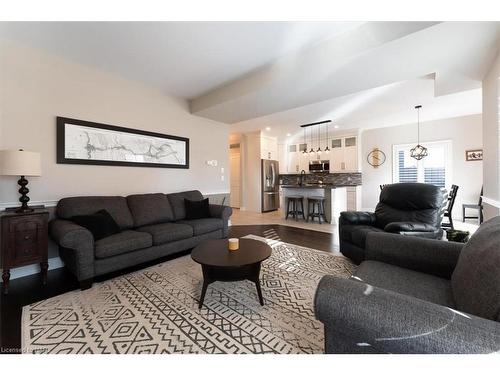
[(319, 203), (292, 206)]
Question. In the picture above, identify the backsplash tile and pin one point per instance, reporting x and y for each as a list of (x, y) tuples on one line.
[(338, 179)]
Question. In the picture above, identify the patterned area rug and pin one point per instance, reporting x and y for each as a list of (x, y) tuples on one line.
[(155, 310)]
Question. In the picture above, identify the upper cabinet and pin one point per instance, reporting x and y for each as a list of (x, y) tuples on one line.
[(292, 160), (343, 156), (351, 154), (295, 161), (268, 148), (282, 153)]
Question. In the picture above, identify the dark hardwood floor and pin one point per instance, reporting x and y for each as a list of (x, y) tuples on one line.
[(29, 289)]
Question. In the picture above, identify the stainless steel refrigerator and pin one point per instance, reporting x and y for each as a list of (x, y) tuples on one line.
[(270, 185)]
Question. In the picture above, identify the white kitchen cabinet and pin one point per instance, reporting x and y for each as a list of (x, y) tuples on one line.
[(303, 161), (282, 153), (293, 162), (351, 154), (269, 148), (344, 154), (352, 199), (336, 155)]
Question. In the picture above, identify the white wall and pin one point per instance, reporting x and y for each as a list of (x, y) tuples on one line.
[(465, 134), (35, 87), (491, 134), (252, 172)]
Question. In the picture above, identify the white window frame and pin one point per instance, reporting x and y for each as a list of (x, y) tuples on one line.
[(448, 163)]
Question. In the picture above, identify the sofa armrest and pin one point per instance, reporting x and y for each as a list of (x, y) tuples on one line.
[(358, 218), (359, 317), (409, 226), (220, 212), (76, 245), (419, 254)]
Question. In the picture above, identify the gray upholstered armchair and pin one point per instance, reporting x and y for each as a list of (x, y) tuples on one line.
[(415, 295)]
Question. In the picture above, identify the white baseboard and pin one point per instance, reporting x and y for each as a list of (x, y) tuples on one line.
[(491, 202), (32, 269)]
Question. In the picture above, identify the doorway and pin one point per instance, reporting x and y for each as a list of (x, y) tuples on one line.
[(235, 169)]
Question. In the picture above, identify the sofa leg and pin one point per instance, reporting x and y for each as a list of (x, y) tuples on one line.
[(86, 284)]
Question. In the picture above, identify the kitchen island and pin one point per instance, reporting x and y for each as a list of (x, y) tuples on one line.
[(335, 198)]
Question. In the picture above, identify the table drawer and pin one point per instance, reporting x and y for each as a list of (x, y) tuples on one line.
[(26, 253), (24, 240), (24, 224)]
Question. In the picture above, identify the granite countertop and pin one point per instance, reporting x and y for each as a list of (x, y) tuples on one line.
[(314, 186)]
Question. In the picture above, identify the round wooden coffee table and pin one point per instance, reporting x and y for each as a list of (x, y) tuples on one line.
[(218, 263)]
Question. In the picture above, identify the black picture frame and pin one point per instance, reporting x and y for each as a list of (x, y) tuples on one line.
[(61, 146), (474, 155)]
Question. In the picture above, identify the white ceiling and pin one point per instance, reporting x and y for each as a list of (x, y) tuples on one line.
[(283, 74), (372, 55), (185, 59), (383, 106)]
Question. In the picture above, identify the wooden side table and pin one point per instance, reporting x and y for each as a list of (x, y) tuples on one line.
[(23, 241)]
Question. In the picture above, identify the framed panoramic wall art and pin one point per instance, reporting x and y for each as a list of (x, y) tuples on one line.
[(473, 155), (84, 142)]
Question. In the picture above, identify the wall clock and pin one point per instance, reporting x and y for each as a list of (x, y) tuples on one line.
[(376, 158)]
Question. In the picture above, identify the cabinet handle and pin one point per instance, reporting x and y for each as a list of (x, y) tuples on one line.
[(27, 237)]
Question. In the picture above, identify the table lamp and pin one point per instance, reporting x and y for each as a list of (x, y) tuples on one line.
[(20, 163)]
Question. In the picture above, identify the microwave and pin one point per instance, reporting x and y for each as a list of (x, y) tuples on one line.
[(316, 166)]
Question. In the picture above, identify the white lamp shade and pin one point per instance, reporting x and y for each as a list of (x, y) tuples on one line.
[(20, 163)]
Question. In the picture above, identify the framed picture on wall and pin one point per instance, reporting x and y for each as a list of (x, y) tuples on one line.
[(473, 155), (85, 142)]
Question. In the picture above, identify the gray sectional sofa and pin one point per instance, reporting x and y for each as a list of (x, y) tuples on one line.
[(415, 295), (152, 226)]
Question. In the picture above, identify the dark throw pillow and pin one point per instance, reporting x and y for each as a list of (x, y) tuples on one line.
[(101, 224), (196, 209)]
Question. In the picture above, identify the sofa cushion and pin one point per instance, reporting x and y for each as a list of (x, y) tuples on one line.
[(202, 226), (168, 232), (476, 278), (116, 206), (148, 209), (197, 209), (404, 281), (177, 202), (121, 243), (358, 234), (101, 224)]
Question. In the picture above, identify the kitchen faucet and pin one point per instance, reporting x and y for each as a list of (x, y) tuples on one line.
[(302, 175)]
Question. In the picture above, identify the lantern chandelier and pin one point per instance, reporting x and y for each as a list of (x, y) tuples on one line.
[(418, 152)]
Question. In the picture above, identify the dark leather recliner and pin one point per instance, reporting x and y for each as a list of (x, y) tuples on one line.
[(411, 209)]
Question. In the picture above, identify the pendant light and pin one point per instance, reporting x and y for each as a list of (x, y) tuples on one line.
[(418, 152), (304, 151), (311, 151), (327, 149), (318, 151)]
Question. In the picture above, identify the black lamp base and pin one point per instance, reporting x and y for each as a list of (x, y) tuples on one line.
[(24, 199)]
